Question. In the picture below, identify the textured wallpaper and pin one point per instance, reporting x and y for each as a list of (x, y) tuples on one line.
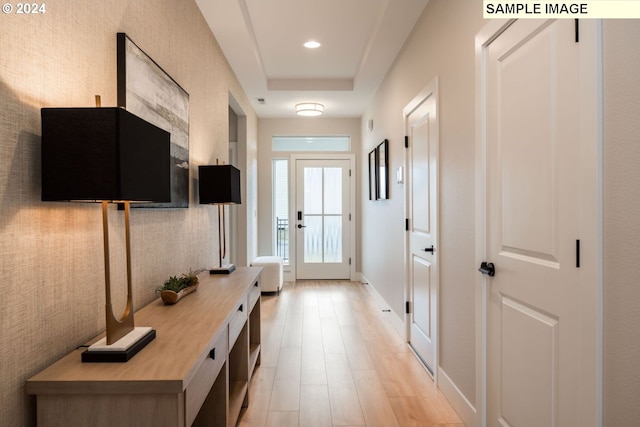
[(51, 254)]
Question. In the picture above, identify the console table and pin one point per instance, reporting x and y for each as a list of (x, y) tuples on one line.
[(196, 372)]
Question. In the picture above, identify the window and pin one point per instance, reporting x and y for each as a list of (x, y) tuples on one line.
[(281, 207), (311, 143)]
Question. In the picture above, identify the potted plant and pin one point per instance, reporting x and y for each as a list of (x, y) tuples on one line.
[(174, 288)]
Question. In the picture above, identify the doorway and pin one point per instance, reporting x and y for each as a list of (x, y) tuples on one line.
[(537, 206), (421, 125)]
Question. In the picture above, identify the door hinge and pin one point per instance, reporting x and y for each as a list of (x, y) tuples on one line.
[(406, 142), (349, 217), (349, 172), (577, 253), (577, 31), (407, 307), (406, 224), (349, 261)]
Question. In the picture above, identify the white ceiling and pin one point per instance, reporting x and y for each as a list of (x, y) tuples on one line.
[(262, 40)]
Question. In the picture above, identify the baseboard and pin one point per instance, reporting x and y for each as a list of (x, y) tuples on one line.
[(358, 277), (396, 321), (462, 406)]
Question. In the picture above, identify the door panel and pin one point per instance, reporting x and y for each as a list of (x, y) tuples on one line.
[(422, 297), (528, 390), (527, 145), (322, 229), (420, 212)]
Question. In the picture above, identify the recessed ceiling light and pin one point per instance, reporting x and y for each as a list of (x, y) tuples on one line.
[(311, 44)]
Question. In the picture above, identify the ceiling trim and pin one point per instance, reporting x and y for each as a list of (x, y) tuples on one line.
[(310, 84), (244, 10), (382, 29)]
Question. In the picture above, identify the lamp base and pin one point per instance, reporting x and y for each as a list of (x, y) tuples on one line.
[(225, 269), (122, 350)]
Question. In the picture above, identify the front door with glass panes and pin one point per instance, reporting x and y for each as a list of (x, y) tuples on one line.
[(321, 223)]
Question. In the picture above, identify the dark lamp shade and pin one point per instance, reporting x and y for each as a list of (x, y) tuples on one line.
[(91, 154), (219, 184)]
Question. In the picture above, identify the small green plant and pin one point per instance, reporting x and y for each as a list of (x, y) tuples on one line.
[(190, 278), (176, 284)]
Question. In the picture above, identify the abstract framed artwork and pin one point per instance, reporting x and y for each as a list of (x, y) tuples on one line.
[(382, 162), (147, 91), (373, 175)]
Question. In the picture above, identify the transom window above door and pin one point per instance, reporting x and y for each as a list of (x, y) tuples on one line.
[(311, 143)]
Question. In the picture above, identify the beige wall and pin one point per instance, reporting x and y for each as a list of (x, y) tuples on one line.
[(51, 266), (267, 129), (441, 45), (621, 348)]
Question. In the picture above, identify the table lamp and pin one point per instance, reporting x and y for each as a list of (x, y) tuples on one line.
[(220, 185), (106, 155)]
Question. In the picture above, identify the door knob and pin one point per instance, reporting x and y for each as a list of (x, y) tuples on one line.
[(302, 226), (431, 249), (487, 268)]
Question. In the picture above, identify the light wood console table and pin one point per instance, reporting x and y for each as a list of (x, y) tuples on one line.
[(195, 373)]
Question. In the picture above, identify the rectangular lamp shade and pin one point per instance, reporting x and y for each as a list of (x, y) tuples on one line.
[(219, 184), (91, 154)]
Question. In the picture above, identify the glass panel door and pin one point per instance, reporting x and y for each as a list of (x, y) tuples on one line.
[(322, 219)]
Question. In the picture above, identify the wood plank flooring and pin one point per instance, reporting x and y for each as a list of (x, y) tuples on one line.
[(331, 358)]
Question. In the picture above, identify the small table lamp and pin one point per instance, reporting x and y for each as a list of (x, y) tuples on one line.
[(106, 155), (220, 185)]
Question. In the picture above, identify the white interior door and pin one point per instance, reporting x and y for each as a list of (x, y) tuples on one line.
[(322, 219), (422, 207), (536, 317)]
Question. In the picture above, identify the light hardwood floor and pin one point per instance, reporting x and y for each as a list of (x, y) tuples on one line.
[(330, 358)]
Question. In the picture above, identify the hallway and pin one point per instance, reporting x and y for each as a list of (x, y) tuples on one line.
[(330, 358)]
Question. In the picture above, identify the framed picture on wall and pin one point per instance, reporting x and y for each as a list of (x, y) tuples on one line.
[(382, 162), (147, 91), (373, 175)]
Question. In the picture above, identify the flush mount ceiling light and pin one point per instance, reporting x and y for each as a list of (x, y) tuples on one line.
[(309, 109), (312, 44)]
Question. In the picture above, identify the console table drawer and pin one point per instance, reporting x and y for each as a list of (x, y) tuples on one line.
[(237, 322), (254, 294), (205, 376)]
